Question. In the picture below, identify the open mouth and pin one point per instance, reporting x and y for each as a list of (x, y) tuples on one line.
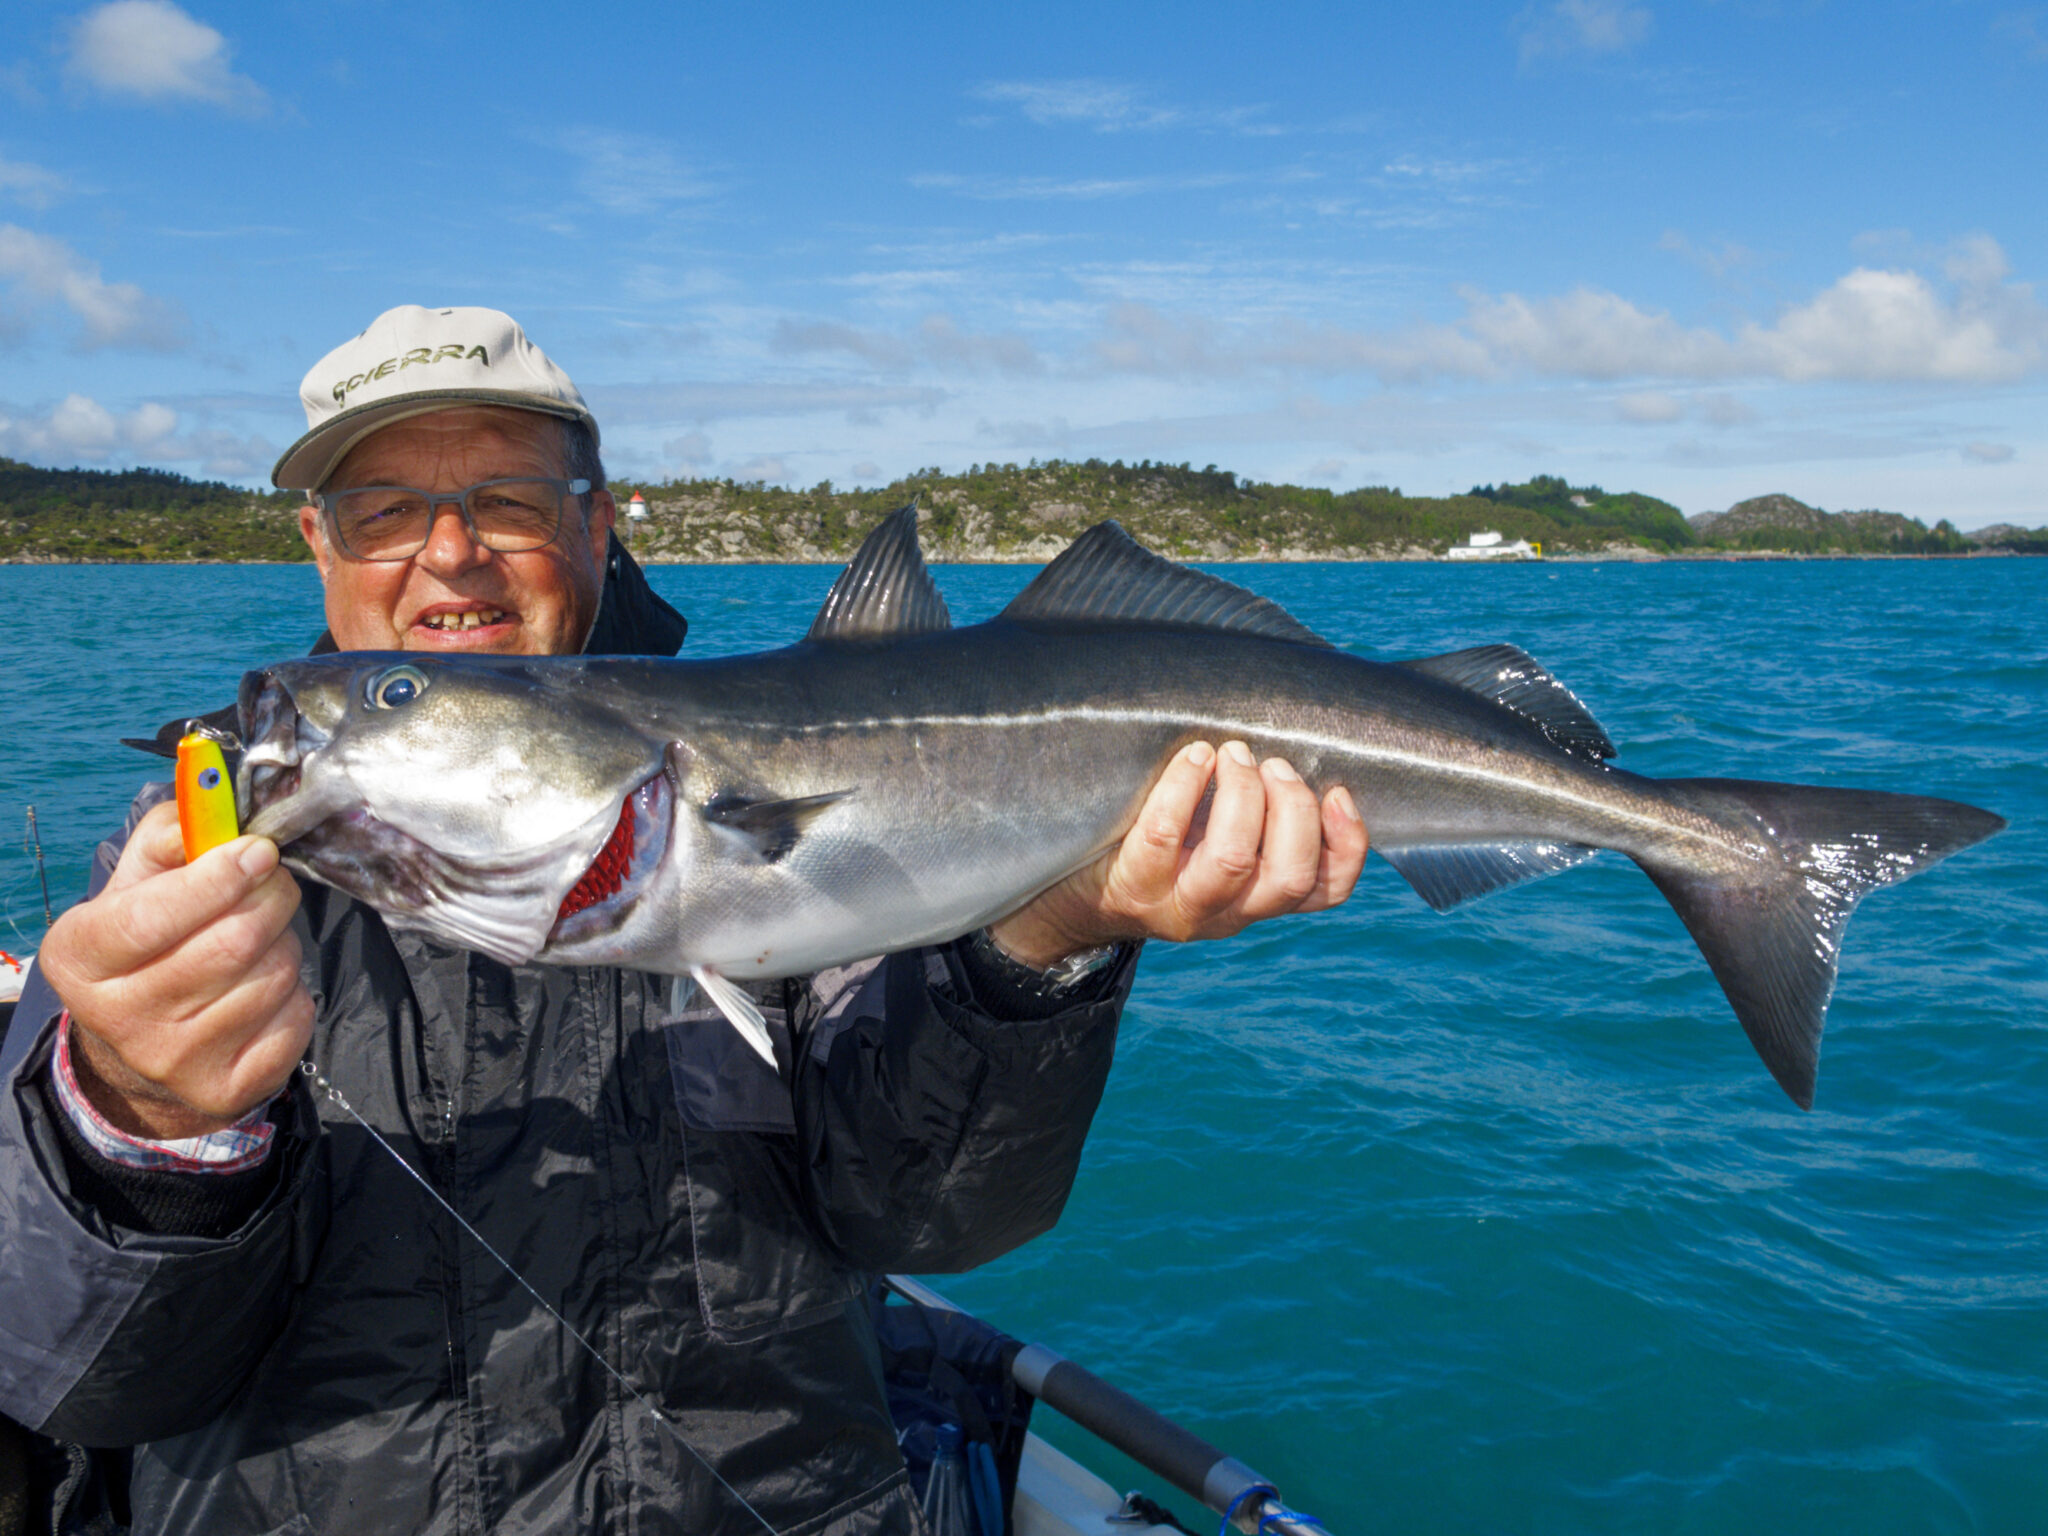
[(605, 893), (453, 622), (268, 782)]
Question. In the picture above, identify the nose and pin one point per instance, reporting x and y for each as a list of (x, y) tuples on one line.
[(450, 548)]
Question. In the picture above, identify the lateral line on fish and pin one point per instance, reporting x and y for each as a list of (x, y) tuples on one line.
[(1348, 746)]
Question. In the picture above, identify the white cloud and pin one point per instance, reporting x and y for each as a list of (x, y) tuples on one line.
[(1650, 407), (79, 427), (80, 430), (1988, 453), (1874, 324), (1040, 189), (1724, 410), (1871, 325), (154, 51), (690, 450), (866, 472), (937, 341), (1109, 106), (48, 271), (1102, 105), (669, 404), (633, 174), (772, 467), (1581, 26), (30, 184), (2023, 30)]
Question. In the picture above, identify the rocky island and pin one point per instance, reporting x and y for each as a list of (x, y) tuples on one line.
[(1008, 512)]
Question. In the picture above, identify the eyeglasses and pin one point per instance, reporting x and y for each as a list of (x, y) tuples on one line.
[(393, 522)]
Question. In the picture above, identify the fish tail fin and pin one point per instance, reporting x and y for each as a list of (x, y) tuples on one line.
[(1772, 934)]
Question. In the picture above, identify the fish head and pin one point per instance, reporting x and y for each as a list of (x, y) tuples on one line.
[(483, 800)]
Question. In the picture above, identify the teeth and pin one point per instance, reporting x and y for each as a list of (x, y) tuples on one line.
[(470, 620)]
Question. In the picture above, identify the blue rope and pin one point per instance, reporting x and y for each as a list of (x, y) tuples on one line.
[(1272, 1517), (1263, 1490), (1279, 1512)]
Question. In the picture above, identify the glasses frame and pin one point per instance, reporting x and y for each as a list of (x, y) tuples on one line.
[(326, 500)]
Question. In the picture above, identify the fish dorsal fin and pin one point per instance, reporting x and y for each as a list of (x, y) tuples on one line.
[(1517, 681), (1107, 577), (886, 590)]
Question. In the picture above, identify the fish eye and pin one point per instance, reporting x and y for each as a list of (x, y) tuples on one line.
[(395, 687)]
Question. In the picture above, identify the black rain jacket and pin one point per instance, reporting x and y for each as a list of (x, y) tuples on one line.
[(348, 1359)]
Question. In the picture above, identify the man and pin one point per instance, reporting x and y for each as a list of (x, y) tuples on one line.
[(200, 1262)]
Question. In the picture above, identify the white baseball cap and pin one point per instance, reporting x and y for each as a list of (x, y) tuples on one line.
[(412, 361)]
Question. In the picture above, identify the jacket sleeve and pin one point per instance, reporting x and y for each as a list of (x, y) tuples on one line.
[(936, 1129), (110, 1335)]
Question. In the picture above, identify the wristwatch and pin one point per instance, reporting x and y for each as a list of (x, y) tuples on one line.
[(1060, 976)]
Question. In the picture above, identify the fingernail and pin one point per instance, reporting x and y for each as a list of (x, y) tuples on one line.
[(1238, 753), (1346, 806), (259, 858), (1282, 770), (1199, 753)]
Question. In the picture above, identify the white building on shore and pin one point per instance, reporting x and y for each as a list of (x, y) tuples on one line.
[(1491, 546)]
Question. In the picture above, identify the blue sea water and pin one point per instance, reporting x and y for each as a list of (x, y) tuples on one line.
[(1490, 1221)]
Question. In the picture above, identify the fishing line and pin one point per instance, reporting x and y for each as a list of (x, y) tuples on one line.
[(333, 1094)]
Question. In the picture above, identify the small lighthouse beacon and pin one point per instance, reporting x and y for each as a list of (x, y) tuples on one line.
[(636, 509)]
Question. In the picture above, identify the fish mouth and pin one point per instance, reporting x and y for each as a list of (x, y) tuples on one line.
[(605, 894), (269, 784)]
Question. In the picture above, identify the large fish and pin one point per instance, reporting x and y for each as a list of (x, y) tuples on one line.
[(892, 781)]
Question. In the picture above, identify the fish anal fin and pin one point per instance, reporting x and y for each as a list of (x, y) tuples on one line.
[(1448, 875), (731, 1000), (885, 590), (1107, 577), (771, 827), (1517, 681)]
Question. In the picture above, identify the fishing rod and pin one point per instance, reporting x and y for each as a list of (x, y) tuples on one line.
[(35, 837), (1225, 1485)]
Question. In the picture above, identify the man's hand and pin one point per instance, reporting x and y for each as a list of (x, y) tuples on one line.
[(1268, 848), (183, 983)]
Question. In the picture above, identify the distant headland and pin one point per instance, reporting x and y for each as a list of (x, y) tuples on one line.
[(1009, 512)]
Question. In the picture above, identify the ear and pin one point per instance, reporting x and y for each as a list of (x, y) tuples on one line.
[(603, 513), (313, 529)]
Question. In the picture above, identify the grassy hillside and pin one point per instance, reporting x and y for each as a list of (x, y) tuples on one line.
[(140, 514), (1029, 512), (989, 512)]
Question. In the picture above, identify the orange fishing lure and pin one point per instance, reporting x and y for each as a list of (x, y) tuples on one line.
[(206, 796)]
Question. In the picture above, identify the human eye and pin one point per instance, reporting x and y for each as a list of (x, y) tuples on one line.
[(378, 507)]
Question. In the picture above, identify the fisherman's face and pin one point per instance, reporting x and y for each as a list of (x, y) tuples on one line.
[(538, 602)]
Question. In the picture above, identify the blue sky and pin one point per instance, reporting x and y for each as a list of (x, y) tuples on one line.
[(1702, 248)]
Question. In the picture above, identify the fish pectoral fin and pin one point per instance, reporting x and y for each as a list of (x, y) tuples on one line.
[(739, 1010), (771, 827), (1449, 875)]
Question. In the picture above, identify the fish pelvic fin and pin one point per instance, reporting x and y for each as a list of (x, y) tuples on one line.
[(1772, 935), (739, 1010)]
